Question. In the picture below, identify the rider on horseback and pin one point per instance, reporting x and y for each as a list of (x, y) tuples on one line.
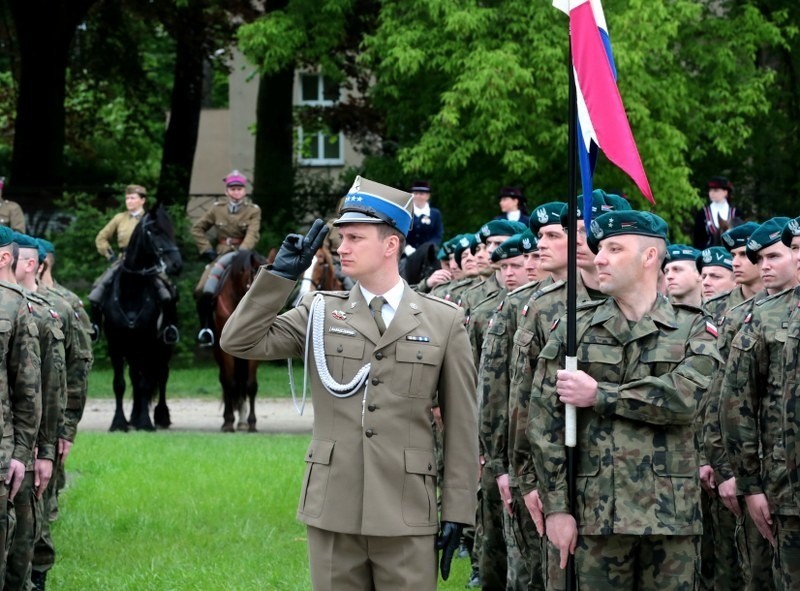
[(123, 225), (237, 222)]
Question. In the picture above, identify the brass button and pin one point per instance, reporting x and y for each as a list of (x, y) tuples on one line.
[(375, 381), (369, 433), (378, 355), (339, 349), (372, 408)]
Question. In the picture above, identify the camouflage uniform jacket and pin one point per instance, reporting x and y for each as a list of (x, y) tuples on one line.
[(636, 455), (20, 377), (493, 380), (717, 306), (478, 321), (751, 412), (54, 379), (478, 292), (11, 215), (450, 291), (790, 393), (123, 224), (78, 351), (234, 230), (730, 321), (537, 319)]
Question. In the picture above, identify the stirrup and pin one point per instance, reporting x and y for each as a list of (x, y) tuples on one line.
[(95, 334), (171, 335), (205, 338)]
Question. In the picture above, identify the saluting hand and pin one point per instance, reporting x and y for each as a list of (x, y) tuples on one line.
[(577, 388), (297, 251)]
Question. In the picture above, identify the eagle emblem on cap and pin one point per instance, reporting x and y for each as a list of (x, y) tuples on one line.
[(753, 245), (464, 242), (728, 239), (706, 256), (485, 230), (526, 243), (794, 227), (597, 231), (541, 215)]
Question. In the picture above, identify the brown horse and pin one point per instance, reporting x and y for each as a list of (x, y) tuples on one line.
[(236, 376)]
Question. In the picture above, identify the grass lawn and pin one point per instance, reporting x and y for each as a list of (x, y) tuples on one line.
[(202, 381), (185, 511)]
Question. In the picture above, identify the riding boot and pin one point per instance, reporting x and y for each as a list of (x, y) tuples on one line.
[(170, 311), (96, 318), (205, 312)]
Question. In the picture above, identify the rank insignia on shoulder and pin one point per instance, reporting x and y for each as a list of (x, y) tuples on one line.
[(748, 318), (418, 339), (339, 315), (54, 314), (555, 323), (525, 309), (500, 306), (447, 297), (30, 308), (711, 329), (77, 316)]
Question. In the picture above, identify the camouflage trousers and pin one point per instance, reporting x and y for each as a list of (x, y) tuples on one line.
[(755, 554), (644, 563), (8, 525), (20, 553), (490, 543), (720, 565), (524, 547), (786, 565), (44, 552)]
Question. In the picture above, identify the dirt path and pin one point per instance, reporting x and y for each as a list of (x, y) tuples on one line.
[(275, 415)]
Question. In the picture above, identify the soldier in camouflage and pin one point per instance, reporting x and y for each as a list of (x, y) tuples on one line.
[(683, 281), (715, 265), (39, 471), (20, 389), (643, 366), (751, 412)]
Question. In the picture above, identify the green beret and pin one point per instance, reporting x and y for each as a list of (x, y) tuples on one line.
[(738, 236), (25, 241), (48, 246), (545, 215), (765, 235), (448, 246), (601, 203), (528, 241), (714, 256), (790, 230), (500, 228), (465, 242), (617, 223), (617, 202), (681, 252), (6, 235), (509, 249), (42, 251)]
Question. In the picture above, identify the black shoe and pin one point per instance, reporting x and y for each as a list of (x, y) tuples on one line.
[(38, 579), (205, 338), (171, 335)]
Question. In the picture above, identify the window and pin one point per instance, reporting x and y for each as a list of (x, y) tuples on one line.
[(318, 148)]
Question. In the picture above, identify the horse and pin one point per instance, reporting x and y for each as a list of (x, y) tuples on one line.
[(236, 376), (132, 320), (420, 264), (320, 276)]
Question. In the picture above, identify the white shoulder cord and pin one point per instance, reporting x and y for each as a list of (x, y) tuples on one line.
[(316, 324)]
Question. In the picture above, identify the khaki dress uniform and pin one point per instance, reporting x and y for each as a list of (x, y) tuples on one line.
[(121, 225), (370, 468), (11, 215)]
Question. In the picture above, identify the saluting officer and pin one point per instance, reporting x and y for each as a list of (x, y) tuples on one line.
[(237, 222), (378, 355)]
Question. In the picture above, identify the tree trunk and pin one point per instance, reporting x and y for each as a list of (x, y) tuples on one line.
[(44, 36), (180, 139)]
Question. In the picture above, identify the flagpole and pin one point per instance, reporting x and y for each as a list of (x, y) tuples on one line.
[(572, 300)]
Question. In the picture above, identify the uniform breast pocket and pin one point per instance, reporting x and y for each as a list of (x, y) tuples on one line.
[(315, 482), (419, 488), (57, 336), (663, 359), (5, 336), (416, 373), (601, 361), (345, 357), (521, 364), (675, 487)]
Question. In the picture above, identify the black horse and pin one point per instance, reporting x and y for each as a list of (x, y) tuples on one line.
[(132, 312), (422, 262)]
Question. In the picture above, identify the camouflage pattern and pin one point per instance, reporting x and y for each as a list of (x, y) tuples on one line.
[(28, 528), (636, 461), (11, 215), (717, 307), (663, 562), (452, 290), (475, 294), (478, 320), (234, 230), (751, 417), (493, 424)]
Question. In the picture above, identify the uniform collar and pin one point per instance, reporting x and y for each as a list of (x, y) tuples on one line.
[(393, 296), (423, 210)]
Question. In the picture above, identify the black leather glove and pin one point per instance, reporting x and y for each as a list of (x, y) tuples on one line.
[(447, 542), (111, 256), (296, 252), (209, 254)]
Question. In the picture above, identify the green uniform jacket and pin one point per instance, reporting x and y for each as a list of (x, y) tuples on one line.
[(370, 468), (234, 230), (751, 409), (636, 453)]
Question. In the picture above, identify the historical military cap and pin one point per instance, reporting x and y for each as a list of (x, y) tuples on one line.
[(720, 182), (790, 230), (546, 215), (500, 228), (465, 242), (738, 236), (509, 249), (617, 223), (714, 256), (235, 179), (6, 235), (25, 241), (681, 252), (137, 189), (420, 187), (528, 242), (368, 202), (765, 235), (514, 192)]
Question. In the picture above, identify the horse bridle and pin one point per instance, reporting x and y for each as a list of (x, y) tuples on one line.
[(159, 251)]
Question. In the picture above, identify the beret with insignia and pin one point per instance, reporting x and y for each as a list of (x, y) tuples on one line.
[(790, 230), (714, 256), (681, 252), (618, 223), (765, 235), (546, 215), (738, 236), (500, 228), (528, 242), (509, 249), (465, 242)]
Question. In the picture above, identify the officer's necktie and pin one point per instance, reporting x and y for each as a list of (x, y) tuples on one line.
[(375, 305)]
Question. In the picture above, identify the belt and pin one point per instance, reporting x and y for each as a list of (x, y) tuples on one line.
[(230, 241)]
